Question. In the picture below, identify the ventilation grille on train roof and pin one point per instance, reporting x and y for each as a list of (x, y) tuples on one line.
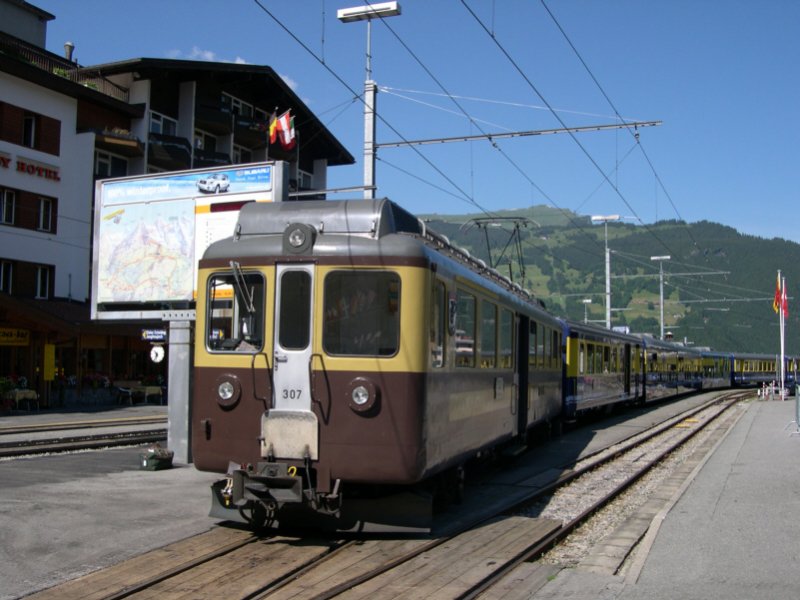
[(372, 217)]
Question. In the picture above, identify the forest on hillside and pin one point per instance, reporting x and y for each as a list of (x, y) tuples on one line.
[(718, 283)]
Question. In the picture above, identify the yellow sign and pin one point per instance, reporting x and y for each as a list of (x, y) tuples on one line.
[(49, 362), (14, 337)]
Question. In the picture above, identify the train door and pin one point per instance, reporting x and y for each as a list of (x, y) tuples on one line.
[(290, 427)]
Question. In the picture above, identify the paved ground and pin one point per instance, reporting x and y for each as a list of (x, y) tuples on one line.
[(65, 515), (732, 535)]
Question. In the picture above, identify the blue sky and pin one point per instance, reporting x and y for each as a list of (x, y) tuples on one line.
[(721, 75)]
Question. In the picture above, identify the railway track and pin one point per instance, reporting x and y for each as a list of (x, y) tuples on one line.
[(70, 436), (470, 558)]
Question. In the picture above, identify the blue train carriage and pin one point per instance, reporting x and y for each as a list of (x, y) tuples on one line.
[(717, 369), (755, 370), (601, 368), (345, 354), (670, 368)]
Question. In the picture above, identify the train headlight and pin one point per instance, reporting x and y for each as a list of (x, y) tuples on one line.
[(228, 390), (298, 238), (225, 390), (363, 396), (360, 395)]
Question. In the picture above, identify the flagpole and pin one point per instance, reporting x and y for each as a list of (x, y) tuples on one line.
[(783, 319)]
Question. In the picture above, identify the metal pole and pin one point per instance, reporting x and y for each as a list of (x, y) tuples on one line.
[(661, 294), (370, 94), (608, 281)]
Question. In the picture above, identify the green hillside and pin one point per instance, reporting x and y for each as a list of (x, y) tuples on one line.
[(718, 287)]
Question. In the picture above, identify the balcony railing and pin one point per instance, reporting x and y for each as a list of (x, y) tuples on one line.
[(52, 63)]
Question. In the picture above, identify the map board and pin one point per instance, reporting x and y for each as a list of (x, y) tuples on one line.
[(150, 231)]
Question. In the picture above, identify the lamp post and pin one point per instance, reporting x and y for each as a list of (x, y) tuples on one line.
[(661, 260), (367, 13), (605, 219), (586, 303)]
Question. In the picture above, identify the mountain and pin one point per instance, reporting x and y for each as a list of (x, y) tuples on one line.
[(718, 283)]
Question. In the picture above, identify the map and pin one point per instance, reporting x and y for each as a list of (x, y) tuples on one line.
[(146, 252)]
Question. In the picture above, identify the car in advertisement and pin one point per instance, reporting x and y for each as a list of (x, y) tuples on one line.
[(214, 183)]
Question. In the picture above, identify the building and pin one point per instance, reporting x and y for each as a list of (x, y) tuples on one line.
[(62, 126)]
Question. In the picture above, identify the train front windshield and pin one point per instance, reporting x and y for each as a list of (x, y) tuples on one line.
[(235, 312)]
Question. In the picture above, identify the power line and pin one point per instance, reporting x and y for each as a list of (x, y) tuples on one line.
[(561, 121)]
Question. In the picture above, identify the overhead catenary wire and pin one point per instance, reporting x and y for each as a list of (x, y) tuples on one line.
[(616, 112), (535, 89)]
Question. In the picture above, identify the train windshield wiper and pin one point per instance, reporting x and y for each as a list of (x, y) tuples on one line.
[(245, 295)]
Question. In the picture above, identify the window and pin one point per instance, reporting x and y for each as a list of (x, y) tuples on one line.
[(162, 124), (42, 282), (532, 344), (438, 320), (45, 214), (488, 335), (294, 320), (204, 141), (465, 329), (6, 271), (8, 208), (109, 165), (236, 106), (362, 313), (506, 339), (304, 180), (235, 312), (29, 130), (241, 155)]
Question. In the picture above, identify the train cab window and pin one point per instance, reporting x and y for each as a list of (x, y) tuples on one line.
[(506, 339), (465, 329), (438, 323), (362, 313), (488, 348), (235, 312)]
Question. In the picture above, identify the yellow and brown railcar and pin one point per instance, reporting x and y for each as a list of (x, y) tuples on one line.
[(345, 355)]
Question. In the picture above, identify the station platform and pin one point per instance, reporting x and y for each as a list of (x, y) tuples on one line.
[(733, 533)]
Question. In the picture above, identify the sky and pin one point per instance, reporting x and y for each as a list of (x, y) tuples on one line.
[(720, 76)]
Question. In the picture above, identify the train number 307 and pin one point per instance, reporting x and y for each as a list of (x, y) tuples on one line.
[(292, 394)]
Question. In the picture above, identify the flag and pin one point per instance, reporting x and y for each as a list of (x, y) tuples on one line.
[(273, 127), (784, 301), (286, 130), (776, 301)]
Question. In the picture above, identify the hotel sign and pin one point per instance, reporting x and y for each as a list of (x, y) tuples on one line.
[(14, 337)]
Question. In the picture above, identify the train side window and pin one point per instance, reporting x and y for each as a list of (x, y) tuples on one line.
[(235, 312), (556, 349), (362, 313), (506, 339), (465, 329), (582, 359), (438, 321), (532, 345), (488, 348), (540, 356), (547, 351)]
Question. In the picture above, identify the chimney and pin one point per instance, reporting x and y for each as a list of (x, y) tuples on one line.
[(68, 48)]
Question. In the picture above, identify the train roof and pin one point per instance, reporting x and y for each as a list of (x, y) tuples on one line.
[(376, 218)]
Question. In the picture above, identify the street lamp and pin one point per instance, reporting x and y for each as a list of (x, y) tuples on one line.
[(605, 219), (367, 13), (661, 260), (586, 303)]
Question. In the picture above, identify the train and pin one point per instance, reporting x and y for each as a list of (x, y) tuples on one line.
[(349, 362)]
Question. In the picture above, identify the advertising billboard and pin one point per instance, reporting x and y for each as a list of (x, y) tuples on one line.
[(150, 231)]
